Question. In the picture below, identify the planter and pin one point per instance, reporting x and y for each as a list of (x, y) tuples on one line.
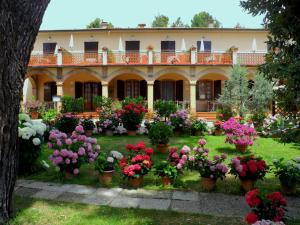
[(218, 132), (106, 177), (136, 182), (108, 132), (69, 175), (289, 190), (34, 115), (131, 132), (178, 132), (241, 148), (166, 181), (247, 185), (162, 148), (208, 184), (198, 133), (89, 133)]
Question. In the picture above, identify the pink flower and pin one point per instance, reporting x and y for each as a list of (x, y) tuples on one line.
[(67, 161), (50, 145), (179, 166), (216, 157), (79, 129), (76, 171), (192, 158), (68, 141), (59, 143), (202, 142)]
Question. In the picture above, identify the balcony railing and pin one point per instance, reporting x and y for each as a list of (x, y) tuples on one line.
[(145, 58)]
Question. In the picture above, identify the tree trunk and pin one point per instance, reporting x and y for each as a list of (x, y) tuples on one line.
[(19, 24)]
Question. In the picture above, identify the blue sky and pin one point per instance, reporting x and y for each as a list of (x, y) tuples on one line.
[(74, 14)]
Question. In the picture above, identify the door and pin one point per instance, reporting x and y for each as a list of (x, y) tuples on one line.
[(168, 90), (167, 51), (48, 53), (50, 90), (88, 90), (91, 52), (132, 54)]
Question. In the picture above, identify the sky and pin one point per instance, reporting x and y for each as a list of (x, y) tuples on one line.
[(76, 14)]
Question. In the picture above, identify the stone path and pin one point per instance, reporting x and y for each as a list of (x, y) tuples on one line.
[(215, 204)]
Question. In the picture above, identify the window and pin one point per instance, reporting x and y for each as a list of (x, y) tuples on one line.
[(205, 90), (91, 47), (207, 46), (49, 91), (132, 88), (49, 48), (168, 46), (132, 51), (132, 45), (168, 89)]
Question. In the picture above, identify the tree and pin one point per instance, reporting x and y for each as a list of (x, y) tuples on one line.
[(203, 19), (96, 23), (282, 61), (19, 25), (178, 23), (160, 21)]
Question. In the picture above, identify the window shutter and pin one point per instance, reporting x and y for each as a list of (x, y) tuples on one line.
[(132, 45), (179, 90), (99, 89), (49, 48), (217, 89), (197, 91), (207, 46), (91, 47), (120, 89), (78, 89), (156, 88), (143, 89)]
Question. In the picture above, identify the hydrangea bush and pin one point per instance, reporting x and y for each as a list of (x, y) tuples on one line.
[(109, 120), (180, 120)]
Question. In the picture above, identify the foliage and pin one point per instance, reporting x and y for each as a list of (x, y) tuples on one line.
[(32, 106), (107, 161), (165, 169), (103, 103), (96, 23), (258, 120), (218, 125), (139, 100), (160, 133), (165, 108), (265, 206), (180, 120), (224, 113), (202, 19), (66, 122), (132, 115), (282, 63), (199, 125), (48, 116), (179, 23), (109, 120), (30, 139), (248, 167), (160, 21), (88, 124), (70, 152), (288, 172), (74, 105)]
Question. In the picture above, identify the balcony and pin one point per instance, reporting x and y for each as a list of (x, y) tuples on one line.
[(145, 58)]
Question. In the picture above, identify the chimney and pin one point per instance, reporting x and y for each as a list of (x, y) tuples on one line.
[(141, 25), (211, 24), (104, 25)]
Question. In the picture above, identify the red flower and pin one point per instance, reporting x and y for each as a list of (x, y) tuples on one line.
[(123, 162), (252, 198), (253, 168), (261, 164), (129, 147), (139, 146), (276, 197), (149, 151), (251, 218)]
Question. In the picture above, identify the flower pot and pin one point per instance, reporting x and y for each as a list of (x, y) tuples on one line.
[(288, 189), (131, 132), (247, 185), (89, 133), (106, 177), (208, 184), (178, 132), (241, 148), (162, 148), (166, 181), (34, 115), (69, 175), (218, 132), (136, 182), (198, 133), (109, 132)]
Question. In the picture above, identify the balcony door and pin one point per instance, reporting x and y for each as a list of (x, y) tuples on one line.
[(167, 51), (87, 91), (91, 52), (169, 90), (207, 46), (131, 88), (132, 54)]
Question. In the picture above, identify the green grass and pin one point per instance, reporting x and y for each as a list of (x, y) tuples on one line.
[(268, 148)]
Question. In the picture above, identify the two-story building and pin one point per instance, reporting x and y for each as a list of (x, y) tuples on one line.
[(188, 65)]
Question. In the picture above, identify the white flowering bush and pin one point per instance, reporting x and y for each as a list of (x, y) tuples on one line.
[(107, 161), (31, 135)]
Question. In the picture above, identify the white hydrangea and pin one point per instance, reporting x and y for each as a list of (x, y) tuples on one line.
[(30, 128), (110, 159), (36, 141), (27, 133), (116, 155), (39, 127), (297, 159), (24, 117)]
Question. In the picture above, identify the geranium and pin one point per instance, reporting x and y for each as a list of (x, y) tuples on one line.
[(265, 207), (132, 115), (218, 124), (248, 167)]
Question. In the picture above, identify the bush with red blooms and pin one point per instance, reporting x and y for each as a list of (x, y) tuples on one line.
[(138, 163), (248, 167), (218, 124), (265, 206), (132, 115)]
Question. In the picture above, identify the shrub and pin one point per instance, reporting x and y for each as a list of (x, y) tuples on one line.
[(33, 106), (224, 113), (165, 108), (258, 120), (132, 116), (88, 124), (160, 133), (107, 162), (165, 169), (103, 103), (30, 140), (199, 125), (66, 123), (138, 101), (48, 116), (74, 105), (109, 120), (180, 121)]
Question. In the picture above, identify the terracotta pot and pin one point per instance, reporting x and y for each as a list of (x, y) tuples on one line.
[(166, 181), (241, 148), (208, 184), (178, 132), (136, 182), (106, 177), (288, 189), (198, 133), (89, 133), (247, 184), (131, 132), (162, 148), (34, 115), (108, 132), (218, 132), (69, 175)]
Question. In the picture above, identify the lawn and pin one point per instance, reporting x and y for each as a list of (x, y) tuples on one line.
[(37, 212), (268, 148)]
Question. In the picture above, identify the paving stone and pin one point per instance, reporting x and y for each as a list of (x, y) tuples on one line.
[(185, 206), (125, 202), (80, 189), (141, 193), (293, 213), (96, 200), (149, 203), (186, 196), (108, 192), (44, 194), (26, 192), (71, 197)]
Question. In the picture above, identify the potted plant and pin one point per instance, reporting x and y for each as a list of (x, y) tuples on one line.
[(239, 134), (137, 164), (109, 122), (66, 123), (132, 115), (210, 170), (105, 165), (288, 173), (248, 169), (218, 128), (165, 108), (32, 107), (180, 121), (167, 172), (88, 126), (159, 134), (263, 206), (199, 126)]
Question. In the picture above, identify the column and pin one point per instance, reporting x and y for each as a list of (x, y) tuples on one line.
[(60, 93), (234, 51), (104, 55), (104, 89), (193, 97), (193, 55), (59, 58), (150, 95), (150, 57)]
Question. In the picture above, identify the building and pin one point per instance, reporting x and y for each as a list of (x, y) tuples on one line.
[(187, 65)]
